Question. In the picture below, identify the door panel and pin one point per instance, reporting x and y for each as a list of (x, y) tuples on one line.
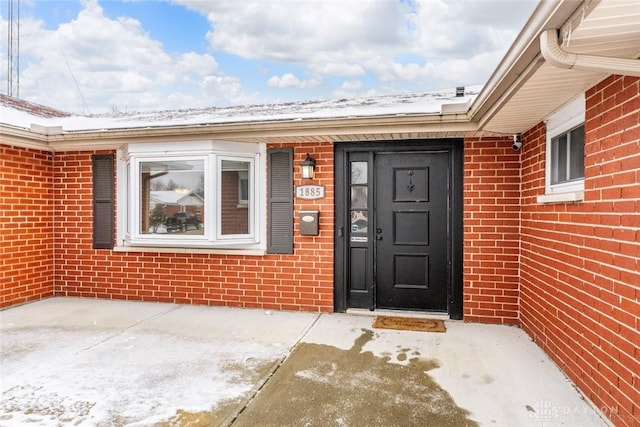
[(411, 228), (358, 271), (411, 271), (411, 205), (358, 231)]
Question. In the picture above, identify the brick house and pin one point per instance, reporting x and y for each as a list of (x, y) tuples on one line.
[(437, 203)]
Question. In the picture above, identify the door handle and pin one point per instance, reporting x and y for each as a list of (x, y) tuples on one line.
[(379, 235)]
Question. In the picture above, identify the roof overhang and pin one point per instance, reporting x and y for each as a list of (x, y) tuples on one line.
[(524, 89), (392, 127), (527, 87)]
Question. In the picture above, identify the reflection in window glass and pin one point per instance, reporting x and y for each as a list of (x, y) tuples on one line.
[(567, 156), (358, 172), (234, 197), (576, 166), (359, 222), (358, 197), (172, 197), (559, 171), (359, 203)]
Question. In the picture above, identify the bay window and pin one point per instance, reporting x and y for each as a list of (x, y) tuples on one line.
[(199, 195)]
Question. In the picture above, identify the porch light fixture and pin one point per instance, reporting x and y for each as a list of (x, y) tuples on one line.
[(307, 167)]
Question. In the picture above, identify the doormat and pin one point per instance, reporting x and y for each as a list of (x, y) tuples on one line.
[(409, 324)]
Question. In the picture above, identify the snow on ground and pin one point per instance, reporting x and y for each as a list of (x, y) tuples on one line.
[(152, 376), (91, 363), (85, 362)]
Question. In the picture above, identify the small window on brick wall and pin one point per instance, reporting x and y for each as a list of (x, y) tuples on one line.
[(564, 170), (567, 156)]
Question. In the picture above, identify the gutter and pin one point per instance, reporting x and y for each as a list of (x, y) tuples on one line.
[(521, 60), (555, 55), (327, 130), (24, 138)]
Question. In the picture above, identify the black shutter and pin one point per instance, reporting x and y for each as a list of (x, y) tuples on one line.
[(280, 166), (103, 203)]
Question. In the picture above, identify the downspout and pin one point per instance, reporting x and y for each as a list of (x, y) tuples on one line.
[(555, 55)]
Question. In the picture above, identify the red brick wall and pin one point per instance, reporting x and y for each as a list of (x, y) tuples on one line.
[(26, 225), (235, 218), (302, 281), (491, 230), (580, 276), (569, 273)]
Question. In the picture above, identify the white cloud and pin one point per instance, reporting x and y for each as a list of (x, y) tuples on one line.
[(338, 69), (351, 85), (297, 30), (193, 63), (221, 87), (355, 37), (345, 47), (94, 63), (286, 80), (290, 80)]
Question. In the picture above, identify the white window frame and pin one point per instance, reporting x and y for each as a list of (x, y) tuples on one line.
[(244, 202), (212, 153), (136, 234), (252, 213), (568, 117)]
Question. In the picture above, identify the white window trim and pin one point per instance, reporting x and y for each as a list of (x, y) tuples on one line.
[(244, 203), (135, 236), (566, 118), (253, 214), (127, 210)]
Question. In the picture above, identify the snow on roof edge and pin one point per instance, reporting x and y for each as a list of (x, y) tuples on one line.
[(432, 102)]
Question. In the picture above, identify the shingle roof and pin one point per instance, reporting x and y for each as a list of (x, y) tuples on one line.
[(13, 113), (31, 108)]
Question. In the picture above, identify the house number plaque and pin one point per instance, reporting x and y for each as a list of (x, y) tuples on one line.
[(310, 192)]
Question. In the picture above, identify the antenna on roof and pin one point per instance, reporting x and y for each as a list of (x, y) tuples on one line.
[(85, 107), (13, 48)]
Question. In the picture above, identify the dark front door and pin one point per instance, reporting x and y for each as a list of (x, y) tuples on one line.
[(411, 194), (399, 226)]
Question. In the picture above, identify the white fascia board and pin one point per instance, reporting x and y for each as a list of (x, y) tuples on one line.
[(23, 138), (522, 58)]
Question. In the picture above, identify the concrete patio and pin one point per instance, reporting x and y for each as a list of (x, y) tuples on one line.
[(85, 362)]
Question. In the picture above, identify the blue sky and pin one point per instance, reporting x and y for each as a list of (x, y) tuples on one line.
[(92, 56)]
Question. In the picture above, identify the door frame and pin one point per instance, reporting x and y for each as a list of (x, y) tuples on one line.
[(454, 147)]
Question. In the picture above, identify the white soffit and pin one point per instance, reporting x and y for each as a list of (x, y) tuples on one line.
[(603, 28), (547, 90), (609, 28)]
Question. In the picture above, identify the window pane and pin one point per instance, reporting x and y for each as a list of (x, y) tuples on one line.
[(576, 163), (358, 172), (235, 197), (358, 197), (559, 159), (359, 222), (172, 197)]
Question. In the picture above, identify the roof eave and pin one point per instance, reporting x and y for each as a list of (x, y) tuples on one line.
[(327, 130), (23, 138), (521, 60)]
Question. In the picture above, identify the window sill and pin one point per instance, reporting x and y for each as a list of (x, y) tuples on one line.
[(573, 196), (170, 250)]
